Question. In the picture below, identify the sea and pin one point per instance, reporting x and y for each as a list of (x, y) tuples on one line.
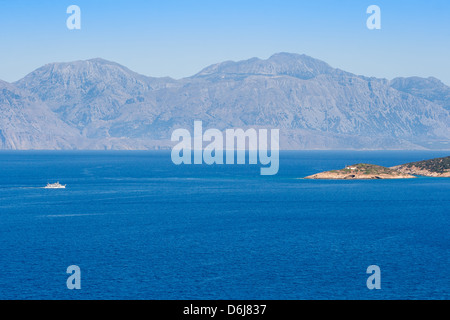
[(140, 227)]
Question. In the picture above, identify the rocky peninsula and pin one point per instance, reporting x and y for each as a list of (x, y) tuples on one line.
[(439, 167), (362, 171)]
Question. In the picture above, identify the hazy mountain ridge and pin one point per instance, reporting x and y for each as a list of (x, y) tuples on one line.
[(98, 104), (299, 66), (431, 89)]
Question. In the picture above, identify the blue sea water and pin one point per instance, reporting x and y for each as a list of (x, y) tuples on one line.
[(140, 227)]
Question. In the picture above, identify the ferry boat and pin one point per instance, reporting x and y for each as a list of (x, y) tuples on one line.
[(55, 186)]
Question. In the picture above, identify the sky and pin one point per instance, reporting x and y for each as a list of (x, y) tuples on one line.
[(179, 38)]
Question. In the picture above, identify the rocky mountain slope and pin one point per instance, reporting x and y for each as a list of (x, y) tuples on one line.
[(430, 89), (28, 123), (98, 104)]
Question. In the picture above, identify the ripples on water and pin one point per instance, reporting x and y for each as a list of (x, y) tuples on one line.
[(142, 228)]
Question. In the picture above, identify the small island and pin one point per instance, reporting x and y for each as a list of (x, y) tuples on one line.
[(439, 167), (362, 171)]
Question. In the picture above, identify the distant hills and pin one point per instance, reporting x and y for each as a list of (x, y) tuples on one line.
[(98, 104)]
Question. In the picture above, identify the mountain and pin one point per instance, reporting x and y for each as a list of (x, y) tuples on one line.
[(89, 91), (298, 66), (98, 104), (27, 123), (430, 89)]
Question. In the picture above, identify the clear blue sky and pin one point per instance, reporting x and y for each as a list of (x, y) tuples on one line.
[(179, 38)]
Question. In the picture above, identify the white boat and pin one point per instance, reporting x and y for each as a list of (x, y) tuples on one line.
[(55, 186)]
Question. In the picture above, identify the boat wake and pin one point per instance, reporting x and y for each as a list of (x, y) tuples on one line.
[(72, 215)]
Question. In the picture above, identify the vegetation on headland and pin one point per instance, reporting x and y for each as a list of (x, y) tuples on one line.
[(362, 171), (438, 167)]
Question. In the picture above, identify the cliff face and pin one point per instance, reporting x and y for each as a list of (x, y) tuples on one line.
[(97, 104), (439, 167), (361, 172)]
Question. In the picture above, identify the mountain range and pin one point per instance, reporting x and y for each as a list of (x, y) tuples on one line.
[(98, 104)]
